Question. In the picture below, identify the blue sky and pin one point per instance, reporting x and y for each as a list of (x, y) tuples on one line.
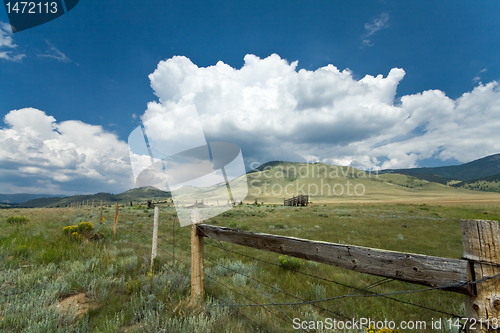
[(92, 65)]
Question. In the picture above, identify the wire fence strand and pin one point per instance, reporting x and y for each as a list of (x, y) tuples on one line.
[(346, 285)]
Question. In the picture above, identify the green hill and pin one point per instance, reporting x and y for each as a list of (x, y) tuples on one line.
[(481, 168), (488, 184), (274, 181), (12, 199)]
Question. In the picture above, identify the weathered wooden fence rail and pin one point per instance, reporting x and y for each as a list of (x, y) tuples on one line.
[(425, 270), (481, 240)]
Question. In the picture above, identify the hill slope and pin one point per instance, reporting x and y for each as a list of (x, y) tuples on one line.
[(274, 181), (326, 183), (23, 197), (488, 184), (481, 168)]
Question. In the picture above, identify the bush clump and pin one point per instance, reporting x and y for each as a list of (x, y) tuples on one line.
[(290, 263), (17, 219), (97, 236), (75, 231), (85, 226), (76, 236), (68, 230), (80, 228)]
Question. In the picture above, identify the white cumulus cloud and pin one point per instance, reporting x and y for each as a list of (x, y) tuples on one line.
[(275, 111), (272, 110), (37, 154)]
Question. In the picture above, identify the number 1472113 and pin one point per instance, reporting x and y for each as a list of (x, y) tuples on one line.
[(25, 7)]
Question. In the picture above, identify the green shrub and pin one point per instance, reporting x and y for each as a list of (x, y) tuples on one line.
[(233, 224), (75, 232), (343, 214), (20, 251), (280, 226), (239, 280), (76, 236), (158, 264), (97, 236), (133, 286), (85, 226), (243, 227), (290, 263), (17, 219), (69, 229)]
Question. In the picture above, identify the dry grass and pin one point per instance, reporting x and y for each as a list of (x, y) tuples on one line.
[(113, 273)]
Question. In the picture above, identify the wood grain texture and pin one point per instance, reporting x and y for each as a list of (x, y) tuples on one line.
[(117, 211), (155, 236), (416, 268), (481, 240), (197, 274)]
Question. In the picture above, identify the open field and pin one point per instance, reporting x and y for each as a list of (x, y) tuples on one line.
[(41, 268)]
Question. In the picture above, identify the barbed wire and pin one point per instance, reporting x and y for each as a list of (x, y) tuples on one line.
[(185, 263), (258, 286), (456, 285), (248, 298), (279, 290), (346, 285), (372, 294)]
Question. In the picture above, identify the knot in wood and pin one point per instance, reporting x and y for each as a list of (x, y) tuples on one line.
[(496, 304), (475, 306)]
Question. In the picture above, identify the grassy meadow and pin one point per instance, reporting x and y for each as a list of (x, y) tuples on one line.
[(331, 184), (42, 268)]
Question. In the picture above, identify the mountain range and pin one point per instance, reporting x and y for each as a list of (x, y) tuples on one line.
[(480, 175), (483, 169), (136, 195)]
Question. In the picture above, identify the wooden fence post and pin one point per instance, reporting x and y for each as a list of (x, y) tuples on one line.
[(155, 236), (481, 240), (117, 210), (196, 259), (92, 212), (100, 215)]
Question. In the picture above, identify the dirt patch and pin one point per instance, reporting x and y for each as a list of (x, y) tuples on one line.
[(79, 302)]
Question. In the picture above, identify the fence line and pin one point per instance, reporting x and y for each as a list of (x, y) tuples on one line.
[(348, 286), (475, 275)]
